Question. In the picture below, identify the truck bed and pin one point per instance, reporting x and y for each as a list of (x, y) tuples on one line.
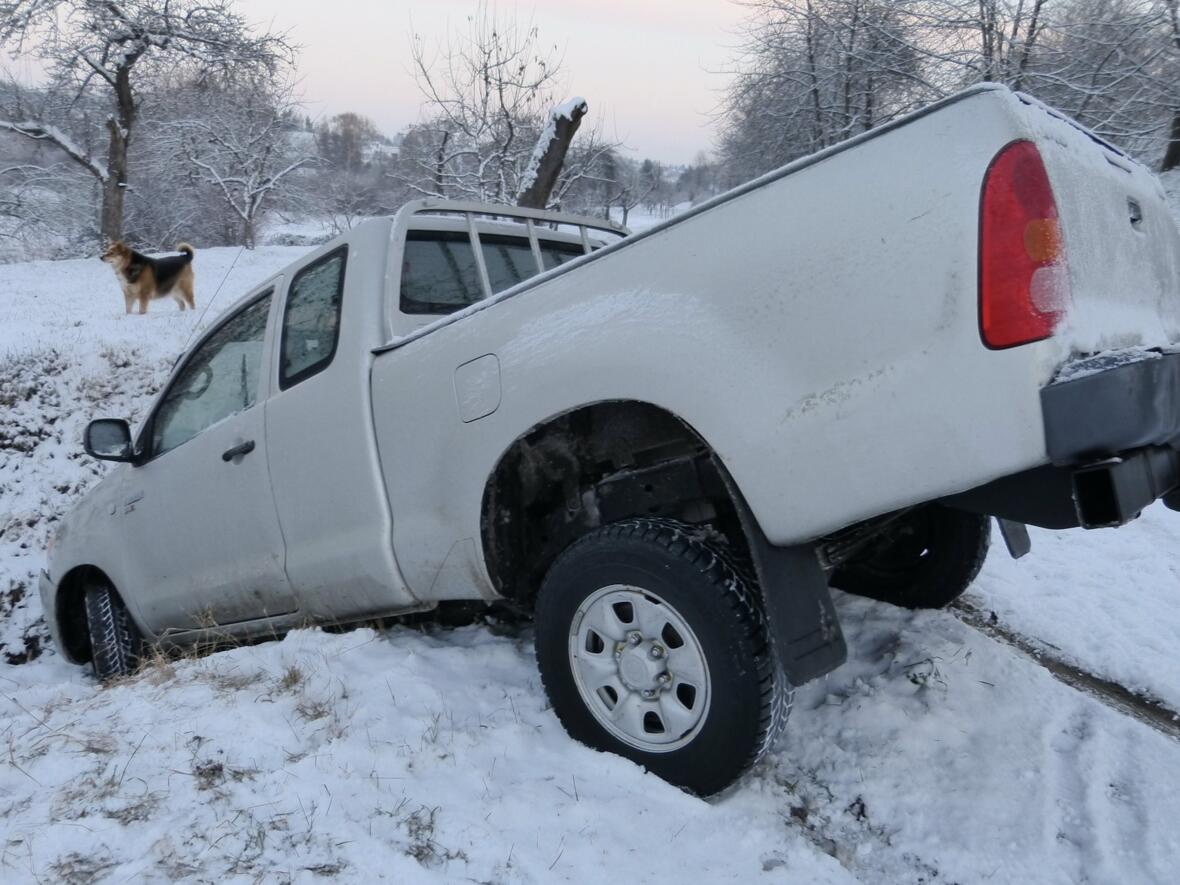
[(818, 328)]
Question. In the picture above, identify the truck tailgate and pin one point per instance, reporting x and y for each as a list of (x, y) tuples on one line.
[(1121, 242)]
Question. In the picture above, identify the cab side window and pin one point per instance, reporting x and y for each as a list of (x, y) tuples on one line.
[(220, 379), (311, 318)]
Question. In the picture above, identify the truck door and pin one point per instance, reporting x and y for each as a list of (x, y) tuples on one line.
[(321, 445), (202, 539)]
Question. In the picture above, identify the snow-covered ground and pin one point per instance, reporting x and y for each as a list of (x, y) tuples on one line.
[(936, 754)]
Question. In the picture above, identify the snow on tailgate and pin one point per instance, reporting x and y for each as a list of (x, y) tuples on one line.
[(1121, 241)]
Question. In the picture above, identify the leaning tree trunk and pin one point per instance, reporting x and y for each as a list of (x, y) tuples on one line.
[(549, 154), (115, 187)]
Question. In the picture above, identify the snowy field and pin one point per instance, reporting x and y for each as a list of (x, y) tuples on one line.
[(936, 754)]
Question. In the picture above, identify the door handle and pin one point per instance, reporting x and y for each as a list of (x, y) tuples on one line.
[(244, 449)]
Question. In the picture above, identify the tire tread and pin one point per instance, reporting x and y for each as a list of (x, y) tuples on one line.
[(115, 642), (734, 578)]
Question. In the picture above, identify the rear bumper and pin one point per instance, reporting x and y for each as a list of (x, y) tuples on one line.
[(1111, 404), (1112, 434), (1114, 422)]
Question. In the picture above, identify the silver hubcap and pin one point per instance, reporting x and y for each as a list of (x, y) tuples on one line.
[(639, 668)]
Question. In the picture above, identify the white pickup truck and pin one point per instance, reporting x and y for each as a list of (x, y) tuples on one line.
[(665, 445)]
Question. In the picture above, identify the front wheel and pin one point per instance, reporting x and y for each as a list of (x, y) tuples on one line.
[(653, 646), (116, 645)]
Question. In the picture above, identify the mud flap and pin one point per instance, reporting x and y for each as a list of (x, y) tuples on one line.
[(1015, 536), (803, 622), (799, 608)]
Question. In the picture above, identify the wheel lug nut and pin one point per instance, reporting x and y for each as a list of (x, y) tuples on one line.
[(649, 693), (657, 651), (664, 678), (635, 637)]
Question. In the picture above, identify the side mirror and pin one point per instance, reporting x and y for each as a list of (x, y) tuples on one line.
[(108, 439)]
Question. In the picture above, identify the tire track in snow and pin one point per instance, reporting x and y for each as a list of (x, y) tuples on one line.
[(1134, 831), (1117, 697), (1068, 750)]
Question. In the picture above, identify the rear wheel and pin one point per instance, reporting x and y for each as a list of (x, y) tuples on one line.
[(116, 645), (651, 645), (924, 559)]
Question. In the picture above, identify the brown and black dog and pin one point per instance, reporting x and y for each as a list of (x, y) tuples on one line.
[(144, 279)]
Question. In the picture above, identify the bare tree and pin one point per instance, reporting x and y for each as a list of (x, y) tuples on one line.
[(236, 137), (485, 96), (625, 186), (1171, 158), (344, 140), (488, 95), (812, 72), (107, 46), (816, 71), (27, 190)]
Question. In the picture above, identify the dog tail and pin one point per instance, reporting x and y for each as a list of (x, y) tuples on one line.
[(186, 249)]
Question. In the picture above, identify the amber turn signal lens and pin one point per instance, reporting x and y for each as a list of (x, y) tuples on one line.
[(1042, 240)]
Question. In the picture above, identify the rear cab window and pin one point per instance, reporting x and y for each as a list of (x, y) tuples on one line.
[(440, 273), (555, 254)]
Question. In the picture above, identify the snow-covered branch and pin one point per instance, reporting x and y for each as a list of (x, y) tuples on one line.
[(58, 138)]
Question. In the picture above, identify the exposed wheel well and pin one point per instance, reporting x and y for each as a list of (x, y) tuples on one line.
[(71, 610), (595, 465)]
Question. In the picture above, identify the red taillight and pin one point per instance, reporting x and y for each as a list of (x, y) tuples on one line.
[(1023, 285)]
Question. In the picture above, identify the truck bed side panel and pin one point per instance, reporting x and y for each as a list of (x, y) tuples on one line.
[(819, 331)]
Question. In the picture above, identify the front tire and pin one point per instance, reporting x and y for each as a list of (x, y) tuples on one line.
[(116, 645), (926, 559), (652, 645)]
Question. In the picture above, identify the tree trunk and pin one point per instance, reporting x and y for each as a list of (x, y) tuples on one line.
[(536, 195), (817, 124), (440, 163), (115, 188), (1172, 155)]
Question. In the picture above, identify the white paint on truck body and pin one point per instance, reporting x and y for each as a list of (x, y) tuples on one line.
[(818, 328)]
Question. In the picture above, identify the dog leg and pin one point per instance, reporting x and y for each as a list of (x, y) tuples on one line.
[(185, 284)]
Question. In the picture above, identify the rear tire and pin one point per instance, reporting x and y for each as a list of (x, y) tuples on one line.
[(926, 559), (651, 645), (116, 645)]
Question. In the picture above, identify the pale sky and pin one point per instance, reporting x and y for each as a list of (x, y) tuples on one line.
[(645, 66)]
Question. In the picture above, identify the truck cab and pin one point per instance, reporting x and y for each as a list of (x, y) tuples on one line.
[(255, 477)]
